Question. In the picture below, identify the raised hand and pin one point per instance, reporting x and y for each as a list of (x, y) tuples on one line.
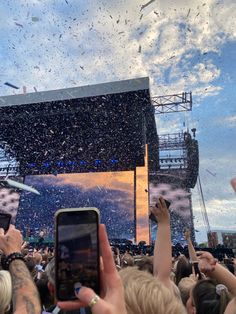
[(206, 263), (24, 245), (187, 234), (11, 241), (160, 211)]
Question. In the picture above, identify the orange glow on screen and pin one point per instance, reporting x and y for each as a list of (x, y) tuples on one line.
[(123, 181), (112, 192), (142, 203)]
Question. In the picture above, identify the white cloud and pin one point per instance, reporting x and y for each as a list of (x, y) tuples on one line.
[(228, 121), (221, 205), (109, 35), (163, 125), (182, 31), (207, 90), (218, 219)]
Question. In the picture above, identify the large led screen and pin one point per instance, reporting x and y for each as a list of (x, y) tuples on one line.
[(111, 193), (142, 221), (9, 199), (180, 209)]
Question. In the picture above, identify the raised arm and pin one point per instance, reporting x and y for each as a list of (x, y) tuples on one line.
[(24, 293), (162, 261), (209, 266), (191, 250)]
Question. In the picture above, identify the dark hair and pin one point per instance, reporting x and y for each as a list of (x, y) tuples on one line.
[(230, 267), (30, 263), (183, 269), (44, 293), (207, 300)]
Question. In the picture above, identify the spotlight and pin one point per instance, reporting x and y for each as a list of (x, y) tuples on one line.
[(97, 162), (71, 163), (60, 163), (114, 161), (31, 165), (46, 164), (83, 163)]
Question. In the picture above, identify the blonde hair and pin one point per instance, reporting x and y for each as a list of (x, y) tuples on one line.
[(185, 285), (38, 258), (145, 294), (5, 291), (145, 263)]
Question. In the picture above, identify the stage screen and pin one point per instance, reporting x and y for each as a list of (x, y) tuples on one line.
[(9, 198), (112, 193), (180, 209), (142, 221)]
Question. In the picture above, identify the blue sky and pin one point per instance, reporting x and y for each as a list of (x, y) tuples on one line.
[(181, 45)]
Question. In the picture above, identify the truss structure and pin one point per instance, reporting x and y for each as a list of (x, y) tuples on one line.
[(172, 103)]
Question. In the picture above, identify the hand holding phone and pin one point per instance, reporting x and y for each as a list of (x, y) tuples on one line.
[(5, 220), (206, 262), (10, 242), (187, 234), (159, 209), (113, 301), (77, 251)]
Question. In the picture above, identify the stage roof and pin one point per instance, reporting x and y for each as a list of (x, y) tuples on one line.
[(77, 92), (102, 127)]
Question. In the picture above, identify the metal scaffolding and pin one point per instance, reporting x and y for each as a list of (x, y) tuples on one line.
[(172, 103)]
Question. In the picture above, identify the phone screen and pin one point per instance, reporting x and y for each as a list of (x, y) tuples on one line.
[(77, 252), (5, 221)]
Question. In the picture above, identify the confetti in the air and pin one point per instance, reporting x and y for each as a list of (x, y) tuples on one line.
[(18, 24), (147, 4), (11, 85), (211, 173), (22, 186), (35, 19)]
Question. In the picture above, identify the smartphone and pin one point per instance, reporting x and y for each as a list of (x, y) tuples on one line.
[(227, 260), (152, 216), (77, 258), (197, 271), (5, 220)]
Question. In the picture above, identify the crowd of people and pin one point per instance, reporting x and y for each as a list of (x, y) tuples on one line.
[(140, 284)]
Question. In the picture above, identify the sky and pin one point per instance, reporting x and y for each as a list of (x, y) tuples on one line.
[(182, 45)]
